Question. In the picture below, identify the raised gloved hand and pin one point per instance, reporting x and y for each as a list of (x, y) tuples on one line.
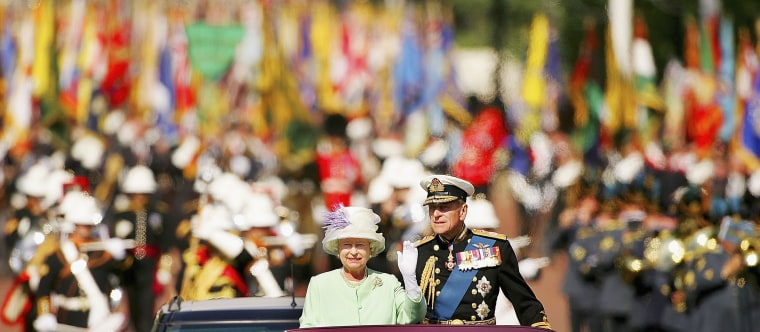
[(115, 247), (407, 265), (46, 323)]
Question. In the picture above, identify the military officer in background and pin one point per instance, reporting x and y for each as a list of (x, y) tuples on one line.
[(461, 270), (31, 219), (24, 234), (136, 218), (580, 285)]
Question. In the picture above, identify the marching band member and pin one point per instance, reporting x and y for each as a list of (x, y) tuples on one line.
[(73, 291), (138, 219)]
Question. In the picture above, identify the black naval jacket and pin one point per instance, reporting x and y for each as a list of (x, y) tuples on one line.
[(58, 279), (506, 277)]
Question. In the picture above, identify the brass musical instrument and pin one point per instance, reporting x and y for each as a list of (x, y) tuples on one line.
[(664, 251)]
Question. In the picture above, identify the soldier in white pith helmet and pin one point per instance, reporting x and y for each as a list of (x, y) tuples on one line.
[(136, 218), (75, 281)]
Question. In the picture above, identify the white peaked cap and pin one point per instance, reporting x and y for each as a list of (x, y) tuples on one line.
[(442, 188), (34, 181), (80, 208), (139, 180), (481, 214)]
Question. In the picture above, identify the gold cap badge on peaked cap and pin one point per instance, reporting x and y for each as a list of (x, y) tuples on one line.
[(435, 186)]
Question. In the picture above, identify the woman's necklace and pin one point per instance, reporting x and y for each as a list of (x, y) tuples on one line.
[(354, 284)]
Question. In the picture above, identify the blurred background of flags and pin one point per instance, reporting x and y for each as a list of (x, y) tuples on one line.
[(198, 66)]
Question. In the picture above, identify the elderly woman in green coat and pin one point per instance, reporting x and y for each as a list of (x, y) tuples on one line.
[(355, 294)]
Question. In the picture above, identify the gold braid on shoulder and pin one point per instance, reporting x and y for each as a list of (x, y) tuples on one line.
[(427, 281)]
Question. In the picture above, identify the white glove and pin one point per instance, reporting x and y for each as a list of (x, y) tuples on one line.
[(115, 247), (46, 323), (407, 264), (295, 244), (529, 267)]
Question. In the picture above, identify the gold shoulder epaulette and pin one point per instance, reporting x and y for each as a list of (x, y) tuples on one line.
[(490, 234), (424, 240)]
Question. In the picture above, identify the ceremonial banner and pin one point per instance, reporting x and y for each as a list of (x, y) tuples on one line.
[(212, 48)]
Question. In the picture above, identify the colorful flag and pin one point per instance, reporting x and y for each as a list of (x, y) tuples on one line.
[(408, 72), (727, 66), (534, 85), (44, 35), (747, 140)]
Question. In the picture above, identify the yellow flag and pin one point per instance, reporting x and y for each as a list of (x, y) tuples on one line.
[(534, 84), (44, 23), (323, 31)]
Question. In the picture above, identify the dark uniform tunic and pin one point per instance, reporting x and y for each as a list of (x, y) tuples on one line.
[(580, 285), (479, 301), (58, 280), (146, 229)]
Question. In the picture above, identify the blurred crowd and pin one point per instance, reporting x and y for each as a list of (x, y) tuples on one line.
[(655, 239)]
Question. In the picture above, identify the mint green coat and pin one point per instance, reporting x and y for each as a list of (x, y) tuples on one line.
[(379, 300)]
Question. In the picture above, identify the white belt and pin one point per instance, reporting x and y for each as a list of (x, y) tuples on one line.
[(70, 303)]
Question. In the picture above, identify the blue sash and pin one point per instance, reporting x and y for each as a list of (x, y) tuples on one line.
[(455, 287)]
